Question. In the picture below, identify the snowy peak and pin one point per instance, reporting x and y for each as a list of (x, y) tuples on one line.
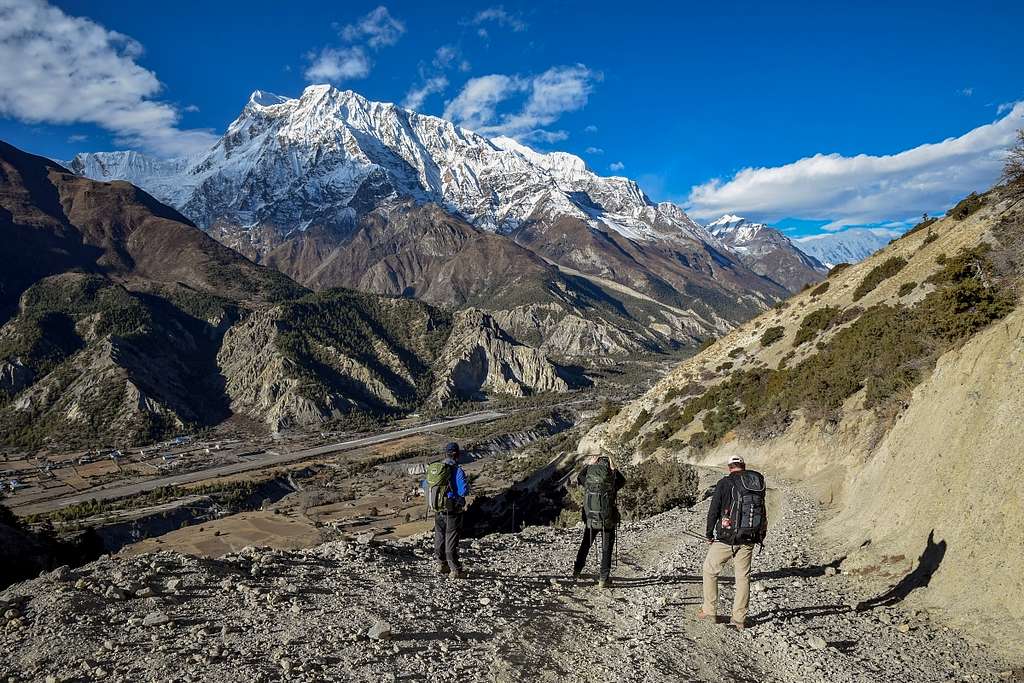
[(736, 229), (330, 155), (847, 246)]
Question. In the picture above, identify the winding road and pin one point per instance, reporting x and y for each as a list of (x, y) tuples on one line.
[(270, 460)]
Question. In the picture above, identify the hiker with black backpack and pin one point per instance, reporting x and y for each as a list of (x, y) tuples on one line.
[(601, 482), (737, 520), (446, 487)]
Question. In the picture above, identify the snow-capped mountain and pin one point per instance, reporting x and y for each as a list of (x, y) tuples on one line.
[(847, 246), (296, 162), (337, 190), (767, 251)]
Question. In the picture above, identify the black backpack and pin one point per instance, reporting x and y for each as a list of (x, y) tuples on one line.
[(599, 500), (747, 514)]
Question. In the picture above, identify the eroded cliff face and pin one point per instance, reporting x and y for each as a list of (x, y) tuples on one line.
[(268, 383), (481, 358)]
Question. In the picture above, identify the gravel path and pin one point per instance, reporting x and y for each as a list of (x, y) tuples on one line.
[(377, 612)]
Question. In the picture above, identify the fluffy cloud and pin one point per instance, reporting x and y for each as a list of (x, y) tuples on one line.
[(595, 150), (476, 104), (72, 70), (498, 15), (549, 95), (415, 97), (590, 129), (377, 29), (616, 166), (865, 189), (432, 77), (338, 64)]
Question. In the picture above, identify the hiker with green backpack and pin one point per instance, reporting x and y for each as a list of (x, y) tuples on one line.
[(601, 482), (737, 521), (446, 489)]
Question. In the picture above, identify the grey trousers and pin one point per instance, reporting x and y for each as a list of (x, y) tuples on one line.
[(447, 529)]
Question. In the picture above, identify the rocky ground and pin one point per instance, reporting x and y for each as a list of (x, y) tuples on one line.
[(370, 611)]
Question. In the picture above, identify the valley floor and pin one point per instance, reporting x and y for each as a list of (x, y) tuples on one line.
[(308, 615)]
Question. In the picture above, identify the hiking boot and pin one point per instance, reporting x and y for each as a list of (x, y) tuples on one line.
[(704, 616), (443, 568), (458, 574), (604, 582), (737, 625), (576, 576)]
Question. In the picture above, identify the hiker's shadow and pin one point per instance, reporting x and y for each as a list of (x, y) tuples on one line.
[(927, 565), (805, 612)]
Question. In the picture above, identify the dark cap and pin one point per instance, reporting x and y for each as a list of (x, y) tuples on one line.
[(451, 448)]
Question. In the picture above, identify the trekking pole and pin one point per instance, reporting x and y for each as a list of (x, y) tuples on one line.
[(694, 534)]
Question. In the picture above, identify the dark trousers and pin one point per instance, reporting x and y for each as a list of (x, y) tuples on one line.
[(447, 529), (606, 537)]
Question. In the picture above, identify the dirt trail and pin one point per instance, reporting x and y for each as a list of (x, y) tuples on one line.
[(308, 615)]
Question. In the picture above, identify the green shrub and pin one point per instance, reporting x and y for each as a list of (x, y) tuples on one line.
[(929, 238), (925, 223), (772, 335), (837, 268), (907, 288), (966, 206), (688, 389), (641, 419), (879, 274), (653, 487), (608, 411), (815, 322), (885, 350), (727, 365), (737, 352), (821, 289)]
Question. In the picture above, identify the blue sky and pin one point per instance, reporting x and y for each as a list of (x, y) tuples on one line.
[(721, 109)]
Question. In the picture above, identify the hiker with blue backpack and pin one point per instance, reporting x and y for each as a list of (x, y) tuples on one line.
[(601, 482), (446, 487), (737, 521)]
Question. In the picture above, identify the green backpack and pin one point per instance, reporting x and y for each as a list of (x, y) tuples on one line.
[(599, 500), (439, 482)]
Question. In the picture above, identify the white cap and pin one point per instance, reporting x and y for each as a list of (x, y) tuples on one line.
[(737, 460)]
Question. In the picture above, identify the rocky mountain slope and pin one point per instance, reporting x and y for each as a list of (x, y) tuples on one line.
[(129, 323), (336, 190), (886, 387), (846, 246), (768, 252), (363, 610)]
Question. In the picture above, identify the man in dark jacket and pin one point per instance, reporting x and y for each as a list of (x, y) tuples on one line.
[(601, 482), (723, 546), (448, 521)]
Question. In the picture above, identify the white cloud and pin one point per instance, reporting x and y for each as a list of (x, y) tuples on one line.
[(594, 150), (338, 64), (1004, 107), (476, 103), (377, 29), (549, 95), (191, 108), (865, 189), (590, 129), (77, 138), (616, 166), (966, 92), (498, 15), (73, 70), (415, 97), (444, 56)]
